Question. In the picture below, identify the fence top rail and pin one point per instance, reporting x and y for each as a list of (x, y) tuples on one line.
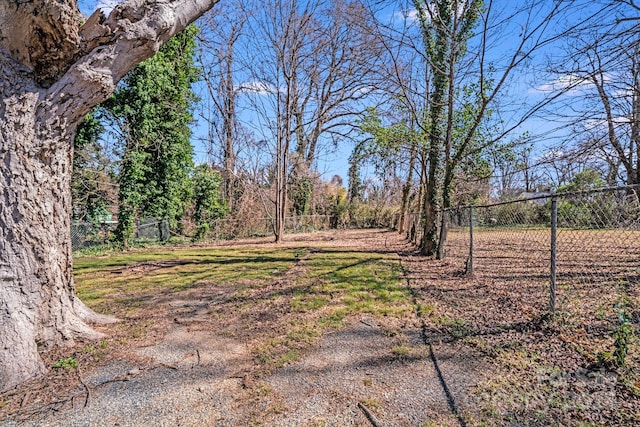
[(549, 196), (273, 218)]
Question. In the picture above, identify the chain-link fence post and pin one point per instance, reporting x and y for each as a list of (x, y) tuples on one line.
[(164, 230), (470, 260), (554, 233)]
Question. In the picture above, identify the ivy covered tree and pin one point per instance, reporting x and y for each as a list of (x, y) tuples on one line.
[(355, 182), (153, 109), (459, 40), (446, 26), (208, 203), (301, 188)]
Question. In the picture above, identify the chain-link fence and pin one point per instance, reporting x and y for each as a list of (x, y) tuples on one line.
[(89, 234), (576, 254), (226, 229)]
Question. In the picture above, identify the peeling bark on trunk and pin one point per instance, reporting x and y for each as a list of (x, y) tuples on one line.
[(38, 307), (47, 84)]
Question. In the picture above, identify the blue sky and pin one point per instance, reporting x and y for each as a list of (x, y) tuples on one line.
[(89, 6)]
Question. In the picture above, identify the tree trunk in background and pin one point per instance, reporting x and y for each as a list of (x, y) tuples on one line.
[(230, 156), (281, 191), (406, 190), (52, 72)]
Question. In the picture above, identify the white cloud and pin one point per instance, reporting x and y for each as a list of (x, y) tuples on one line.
[(552, 155), (601, 125), (407, 15), (411, 15), (627, 92), (107, 6), (259, 88), (571, 84), (365, 90)]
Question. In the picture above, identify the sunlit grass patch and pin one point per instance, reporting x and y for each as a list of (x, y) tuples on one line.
[(126, 277), (334, 285), (280, 350), (360, 282), (306, 303), (333, 320), (299, 305)]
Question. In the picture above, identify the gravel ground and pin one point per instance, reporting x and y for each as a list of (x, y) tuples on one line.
[(348, 369), (187, 384), (358, 365)]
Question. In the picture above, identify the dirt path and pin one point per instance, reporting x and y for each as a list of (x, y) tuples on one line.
[(197, 369)]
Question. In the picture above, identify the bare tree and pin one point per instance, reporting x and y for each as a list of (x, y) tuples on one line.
[(401, 99), (280, 30), (338, 75), (312, 65), (344, 53), (505, 170), (53, 69), (221, 30), (600, 82)]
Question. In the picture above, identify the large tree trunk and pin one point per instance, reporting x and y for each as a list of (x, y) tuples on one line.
[(38, 307), (52, 72)]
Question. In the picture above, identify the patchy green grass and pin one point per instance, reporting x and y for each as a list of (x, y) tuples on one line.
[(122, 278), (304, 302), (401, 351), (66, 363), (329, 286), (358, 282), (336, 284), (370, 403)]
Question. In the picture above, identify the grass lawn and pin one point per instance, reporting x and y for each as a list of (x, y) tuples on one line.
[(104, 282), (304, 292)]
